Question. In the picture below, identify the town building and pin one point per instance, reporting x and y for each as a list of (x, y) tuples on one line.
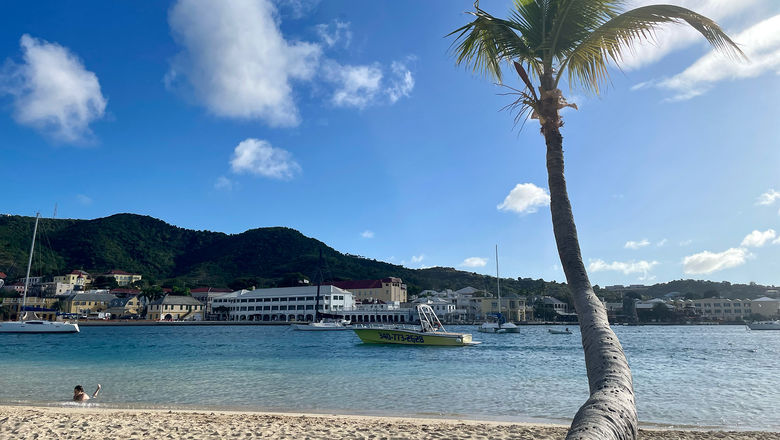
[(387, 289), (207, 294), (282, 303), (765, 307), (123, 278), (78, 278), (175, 308), (44, 308), (513, 307), (721, 309), (85, 303), (127, 306)]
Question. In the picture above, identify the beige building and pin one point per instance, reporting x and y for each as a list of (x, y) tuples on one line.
[(175, 308), (123, 278), (84, 303), (44, 308), (512, 307), (721, 309), (128, 306), (766, 307), (387, 289)]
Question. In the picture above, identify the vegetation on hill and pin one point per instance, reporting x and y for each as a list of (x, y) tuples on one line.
[(171, 256)]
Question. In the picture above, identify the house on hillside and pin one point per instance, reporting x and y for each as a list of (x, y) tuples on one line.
[(79, 278), (123, 278)]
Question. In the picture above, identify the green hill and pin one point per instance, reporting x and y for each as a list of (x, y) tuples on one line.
[(164, 253)]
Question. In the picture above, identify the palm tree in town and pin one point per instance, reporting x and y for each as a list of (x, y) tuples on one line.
[(574, 40)]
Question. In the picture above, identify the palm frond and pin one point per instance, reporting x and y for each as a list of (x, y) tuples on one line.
[(488, 41), (586, 64)]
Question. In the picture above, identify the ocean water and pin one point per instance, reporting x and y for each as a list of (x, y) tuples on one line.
[(684, 376)]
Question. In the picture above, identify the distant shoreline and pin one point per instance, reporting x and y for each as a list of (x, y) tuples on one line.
[(141, 323)]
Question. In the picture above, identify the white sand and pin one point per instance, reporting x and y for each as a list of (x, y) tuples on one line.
[(23, 422)]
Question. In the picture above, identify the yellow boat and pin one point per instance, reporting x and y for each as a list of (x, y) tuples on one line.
[(430, 332)]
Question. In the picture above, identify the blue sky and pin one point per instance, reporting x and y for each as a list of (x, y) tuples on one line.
[(350, 122)]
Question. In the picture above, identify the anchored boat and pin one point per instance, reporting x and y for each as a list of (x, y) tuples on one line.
[(430, 332)]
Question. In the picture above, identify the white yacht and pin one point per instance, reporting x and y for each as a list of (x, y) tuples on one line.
[(764, 325), (28, 322)]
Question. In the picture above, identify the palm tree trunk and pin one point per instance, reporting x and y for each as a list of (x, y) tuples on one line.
[(610, 412)]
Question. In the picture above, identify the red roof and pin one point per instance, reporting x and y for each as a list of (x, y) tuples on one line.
[(78, 272), (2, 275), (118, 272)]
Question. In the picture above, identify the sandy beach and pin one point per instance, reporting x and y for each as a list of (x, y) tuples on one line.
[(24, 422)]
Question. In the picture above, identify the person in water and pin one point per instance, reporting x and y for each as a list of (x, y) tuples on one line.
[(79, 395)]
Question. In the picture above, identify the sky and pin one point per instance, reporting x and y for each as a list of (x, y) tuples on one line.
[(352, 123)]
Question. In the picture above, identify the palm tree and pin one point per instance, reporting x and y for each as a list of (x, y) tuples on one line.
[(545, 41)]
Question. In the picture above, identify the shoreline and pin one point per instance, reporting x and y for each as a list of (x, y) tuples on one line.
[(82, 421), (141, 323)]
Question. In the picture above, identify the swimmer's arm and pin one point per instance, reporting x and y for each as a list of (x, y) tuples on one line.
[(96, 391)]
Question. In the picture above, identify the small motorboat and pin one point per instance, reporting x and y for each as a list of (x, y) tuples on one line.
[(559, 332), (764, 325), (429, 332)]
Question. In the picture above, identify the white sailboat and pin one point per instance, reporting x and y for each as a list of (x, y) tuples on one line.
[(27, 325), (498, 326), (323, 321)]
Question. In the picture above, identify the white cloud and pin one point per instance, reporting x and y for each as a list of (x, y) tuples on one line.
[(662, 243), (417, 258), (334, 33), (525, 198), (402, 83), (686, 243), (53, 91), (84, 200), (367, 234), (223, 183), (255, 156), (708, 262), (474, 262), (671, 37), (627, 268), (357, 86), (761, 44), (365, 85), (768, 197), (236, 60), (758, 238), (637, 244)]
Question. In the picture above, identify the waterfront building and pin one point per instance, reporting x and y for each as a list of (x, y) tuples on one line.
[(123, 278), (513, 307), (721, 309), (282, 303), (765, 307), (130, 305), (44, 308), (368, 311), (78, 278), (85, 303), (207, 294), (175, 308), (386, 289)]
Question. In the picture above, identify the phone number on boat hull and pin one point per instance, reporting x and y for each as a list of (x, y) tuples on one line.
[(397, 337)]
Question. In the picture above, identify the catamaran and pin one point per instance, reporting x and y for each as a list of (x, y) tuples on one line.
[(27, 325), (499, 325), (430, 332)]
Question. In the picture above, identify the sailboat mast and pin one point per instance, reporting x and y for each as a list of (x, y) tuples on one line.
[(498, 289), (29, 264), (319, 283)]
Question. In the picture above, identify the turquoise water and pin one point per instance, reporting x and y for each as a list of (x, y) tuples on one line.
[(705, 376)]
